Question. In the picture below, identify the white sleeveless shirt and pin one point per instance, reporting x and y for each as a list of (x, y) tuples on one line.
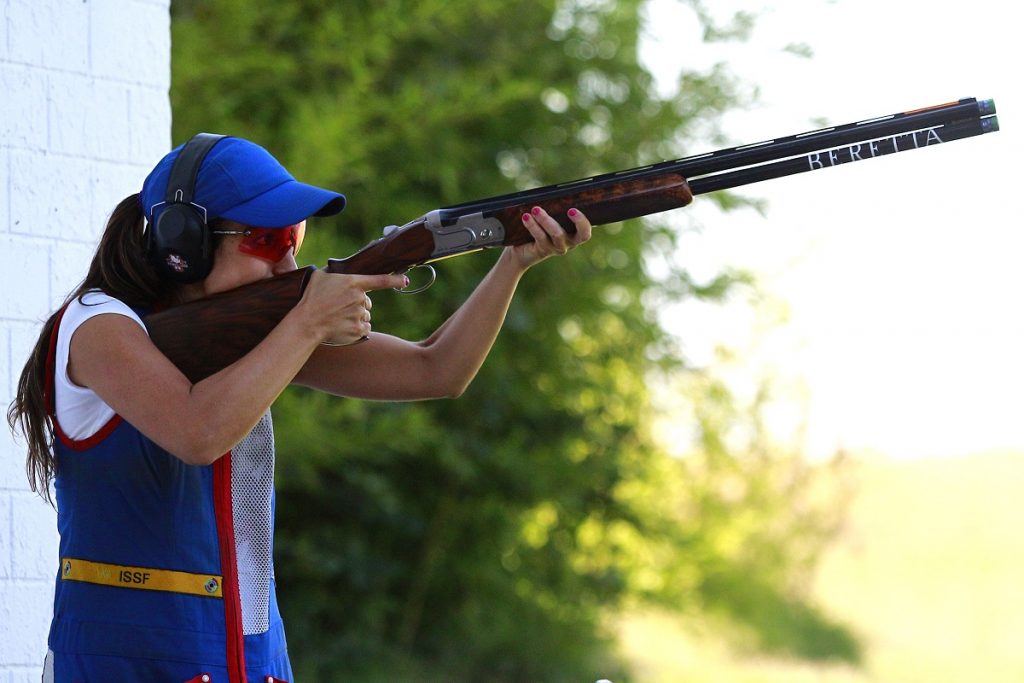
[(80, 412)]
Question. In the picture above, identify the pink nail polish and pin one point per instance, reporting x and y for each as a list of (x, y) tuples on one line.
[(526, 218), (536, 211), (572, 213)]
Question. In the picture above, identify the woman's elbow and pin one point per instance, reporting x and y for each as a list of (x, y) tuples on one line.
[(455, 390), (196, 448), (437, 379), (435, 390), (453, 386), (199, 458)]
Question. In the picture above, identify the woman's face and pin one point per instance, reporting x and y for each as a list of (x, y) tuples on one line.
[(234, 268)]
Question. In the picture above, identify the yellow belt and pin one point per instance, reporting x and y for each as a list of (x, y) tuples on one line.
[(208, 585)]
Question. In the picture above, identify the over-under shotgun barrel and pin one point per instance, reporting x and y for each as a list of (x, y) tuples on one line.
[(848, 153), (750, 154), (646, 190)]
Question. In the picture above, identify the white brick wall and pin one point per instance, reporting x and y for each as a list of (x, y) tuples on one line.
[(84, 114)]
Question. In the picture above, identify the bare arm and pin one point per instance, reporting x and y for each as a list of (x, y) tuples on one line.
[(443, 365), (200, 422)]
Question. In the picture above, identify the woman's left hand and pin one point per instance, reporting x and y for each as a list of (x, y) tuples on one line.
[(549, 238)]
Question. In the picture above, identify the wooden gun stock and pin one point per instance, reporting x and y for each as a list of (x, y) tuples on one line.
[(205, 336)]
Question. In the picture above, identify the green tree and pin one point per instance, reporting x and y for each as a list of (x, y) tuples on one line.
[(483, 538)]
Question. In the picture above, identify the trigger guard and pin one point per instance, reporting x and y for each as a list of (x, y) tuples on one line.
[(433, 278)]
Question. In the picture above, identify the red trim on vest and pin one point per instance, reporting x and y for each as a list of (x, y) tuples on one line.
[(85, 444), (229, 569), (51, 364)]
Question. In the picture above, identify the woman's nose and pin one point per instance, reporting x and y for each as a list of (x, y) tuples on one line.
[(287, 263)]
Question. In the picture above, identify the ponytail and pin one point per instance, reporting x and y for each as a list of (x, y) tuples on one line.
[(119, 268)]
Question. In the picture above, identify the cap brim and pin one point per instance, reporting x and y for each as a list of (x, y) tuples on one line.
[(287, 204)]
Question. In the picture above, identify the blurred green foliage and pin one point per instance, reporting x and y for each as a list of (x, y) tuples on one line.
[(492, 538)]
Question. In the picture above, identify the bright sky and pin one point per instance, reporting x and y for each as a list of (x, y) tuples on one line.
[(902, 276)]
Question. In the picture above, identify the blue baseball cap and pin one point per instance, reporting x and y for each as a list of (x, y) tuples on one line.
[(242, 182)]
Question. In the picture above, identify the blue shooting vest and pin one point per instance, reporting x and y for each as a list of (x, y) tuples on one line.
[(166, 568)]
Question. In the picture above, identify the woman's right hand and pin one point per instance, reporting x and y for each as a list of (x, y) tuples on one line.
[(338, 306)]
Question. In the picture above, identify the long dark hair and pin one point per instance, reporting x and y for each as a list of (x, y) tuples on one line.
[(119, 268)]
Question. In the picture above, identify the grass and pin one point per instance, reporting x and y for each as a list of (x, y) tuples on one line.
[(929, 571)]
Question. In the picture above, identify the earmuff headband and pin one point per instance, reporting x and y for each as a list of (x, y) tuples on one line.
[(181, 185)]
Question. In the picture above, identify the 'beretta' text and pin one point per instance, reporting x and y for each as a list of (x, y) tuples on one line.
[(875, 148)]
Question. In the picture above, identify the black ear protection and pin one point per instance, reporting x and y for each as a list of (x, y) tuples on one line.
[(178, 240)]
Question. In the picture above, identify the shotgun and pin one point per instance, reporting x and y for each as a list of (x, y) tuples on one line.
[(241, 318)]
